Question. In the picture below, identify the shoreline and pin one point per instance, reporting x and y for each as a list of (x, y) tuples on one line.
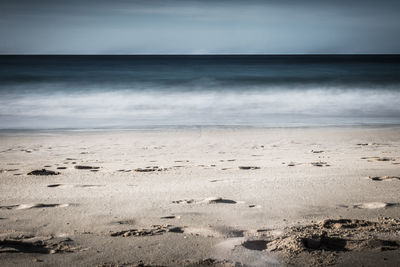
[(192, 127)]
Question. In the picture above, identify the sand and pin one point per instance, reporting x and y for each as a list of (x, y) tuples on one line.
[(201, 197)]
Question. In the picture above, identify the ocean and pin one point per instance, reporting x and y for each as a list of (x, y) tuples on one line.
[(128, 92)]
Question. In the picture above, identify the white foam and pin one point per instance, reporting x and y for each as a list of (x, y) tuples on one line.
[(226, 107)]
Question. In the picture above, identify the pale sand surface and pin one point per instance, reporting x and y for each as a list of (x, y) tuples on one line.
[(74, 219)]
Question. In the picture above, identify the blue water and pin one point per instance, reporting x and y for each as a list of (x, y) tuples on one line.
[(84, 92)]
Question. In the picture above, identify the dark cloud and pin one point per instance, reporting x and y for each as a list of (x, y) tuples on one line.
[(203, 26)]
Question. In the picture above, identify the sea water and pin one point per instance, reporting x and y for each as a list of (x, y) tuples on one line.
[(101, 92)]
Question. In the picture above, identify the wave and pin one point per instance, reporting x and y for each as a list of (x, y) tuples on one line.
[(131, 91), (255, 107)]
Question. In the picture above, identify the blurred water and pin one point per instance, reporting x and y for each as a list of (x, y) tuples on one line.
[(86, 92)]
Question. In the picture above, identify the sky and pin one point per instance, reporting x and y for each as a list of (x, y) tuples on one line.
[(199, 27)]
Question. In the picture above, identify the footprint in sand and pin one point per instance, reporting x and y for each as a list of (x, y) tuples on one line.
[(88, 185), (43, 172), (126, 222), (370, 159), (33, 206), (77, 185), (12, 245), (255, 244), (383, 178), (170, 217), (205, 232), (320, 164), (210, 200), (218, 200), (230, 232), (317, 151), (184, 201), (249, 167), (155, 230), (83, 167), (323, 242), (55, 185), (222, 231), (150, 169), (371, 205)]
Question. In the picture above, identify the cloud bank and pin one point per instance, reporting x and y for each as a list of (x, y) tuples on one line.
[(199, 27)]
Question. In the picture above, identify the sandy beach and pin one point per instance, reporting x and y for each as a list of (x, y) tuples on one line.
[(201, 197)]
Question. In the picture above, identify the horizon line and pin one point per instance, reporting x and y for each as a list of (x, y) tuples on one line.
[(211, 54)]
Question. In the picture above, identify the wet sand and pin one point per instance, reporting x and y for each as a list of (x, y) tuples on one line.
[(201, 197)]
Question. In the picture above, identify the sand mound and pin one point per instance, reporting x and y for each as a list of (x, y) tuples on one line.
[(323, 241)]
